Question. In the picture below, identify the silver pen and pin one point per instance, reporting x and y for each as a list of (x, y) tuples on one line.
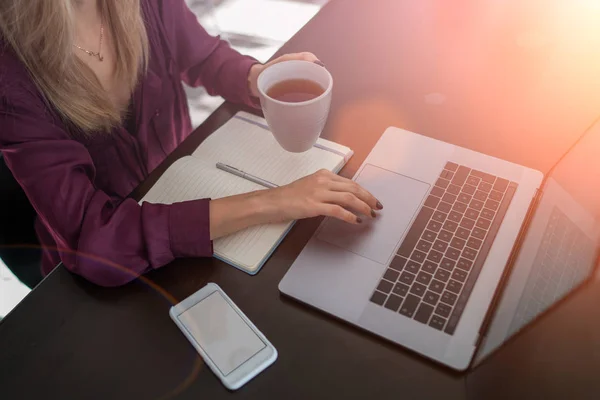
[(247, 176)]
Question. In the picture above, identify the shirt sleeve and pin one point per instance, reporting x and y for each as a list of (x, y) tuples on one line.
[(204, 59), (109, 242)]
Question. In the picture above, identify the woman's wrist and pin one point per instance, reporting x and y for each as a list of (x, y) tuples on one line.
[(255, 71), (232, 214)]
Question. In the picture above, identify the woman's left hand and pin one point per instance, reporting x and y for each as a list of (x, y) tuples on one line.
[(258, 68)]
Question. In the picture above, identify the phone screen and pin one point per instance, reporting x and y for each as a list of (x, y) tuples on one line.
[(221, 332)]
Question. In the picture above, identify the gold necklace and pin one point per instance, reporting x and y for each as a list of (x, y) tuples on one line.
[(98, 54)]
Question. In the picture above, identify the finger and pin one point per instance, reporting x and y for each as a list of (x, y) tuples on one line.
[(349, 201), (358, 191), (306, 56), (335, 211)]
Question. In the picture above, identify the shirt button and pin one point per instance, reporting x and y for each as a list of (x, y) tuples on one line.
[(157, 112)]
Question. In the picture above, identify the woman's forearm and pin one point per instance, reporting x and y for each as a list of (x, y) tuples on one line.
[(234, 213)]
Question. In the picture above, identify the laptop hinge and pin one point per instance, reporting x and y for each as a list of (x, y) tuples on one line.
[(509, 266)]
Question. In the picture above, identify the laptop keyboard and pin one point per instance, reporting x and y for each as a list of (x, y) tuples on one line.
[(434, 271)]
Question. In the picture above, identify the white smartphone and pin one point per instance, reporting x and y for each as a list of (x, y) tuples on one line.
[(233, 348)]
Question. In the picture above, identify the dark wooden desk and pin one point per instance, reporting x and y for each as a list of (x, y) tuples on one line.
[(514, 79)]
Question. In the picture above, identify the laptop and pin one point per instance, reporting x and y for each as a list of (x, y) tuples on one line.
[(468, 249)]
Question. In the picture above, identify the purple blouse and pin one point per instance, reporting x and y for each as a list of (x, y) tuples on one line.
[(79, 187)]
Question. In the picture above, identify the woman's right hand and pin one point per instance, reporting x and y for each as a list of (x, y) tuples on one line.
[(322, 194)]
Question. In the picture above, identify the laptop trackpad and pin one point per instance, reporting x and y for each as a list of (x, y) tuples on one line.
[(376, 239)]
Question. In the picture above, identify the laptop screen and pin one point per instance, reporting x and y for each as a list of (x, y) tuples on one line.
[(561, 246)]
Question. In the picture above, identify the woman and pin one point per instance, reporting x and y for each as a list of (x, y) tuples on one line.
[(91, 101)]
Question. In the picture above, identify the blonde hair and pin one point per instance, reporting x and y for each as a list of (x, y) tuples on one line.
[(41, 32)]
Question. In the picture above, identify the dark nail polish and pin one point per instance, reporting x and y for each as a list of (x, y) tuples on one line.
[(379, 206), (359, 220), (320, 63), (373, 214)]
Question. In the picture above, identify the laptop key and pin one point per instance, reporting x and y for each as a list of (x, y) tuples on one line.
[(473, 180), (393, 302), (463, 233), (424, 245), (464, 198), (483, 223), (385, 286), (487, 213), (450, 226), (470, 213), (467, 223), (454, 286), (432, 201), (449, 198), (450, 166), (459, 275), (409, 305), (437, 322), (398, 263), (453, 189), (443, 310), (433, 226), (400, 289), (452, 253), (443, 183), (454, 216), (459, 207), (391, 275), (479, 233), (444, 207), (440, 246), (500, 185), (407, 278), (480, 195), (412, 266), (447, 264), (415, 231), (458, 243), (469, 189), (436, 286), (429, 235), (378, 298), (464, 264), (469, 253), (476, 204), (431, 298), (492, 204), (418, 289), (435, 256), (448, 298), (447, 174), (423, 313), (429, 267), (474, 243), (445, 236), (437, 191), (418, 256), (485, 186), (496, 195), (439, 216), (424, 278), (442, 275), (460, 176)]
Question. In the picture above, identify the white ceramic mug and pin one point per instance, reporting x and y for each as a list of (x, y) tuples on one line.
[(296, 126)]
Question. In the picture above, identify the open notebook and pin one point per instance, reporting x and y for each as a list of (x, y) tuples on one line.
[(246, 143)]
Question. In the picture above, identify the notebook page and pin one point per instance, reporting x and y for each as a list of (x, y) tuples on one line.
[(254, 150), (189, 179)]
